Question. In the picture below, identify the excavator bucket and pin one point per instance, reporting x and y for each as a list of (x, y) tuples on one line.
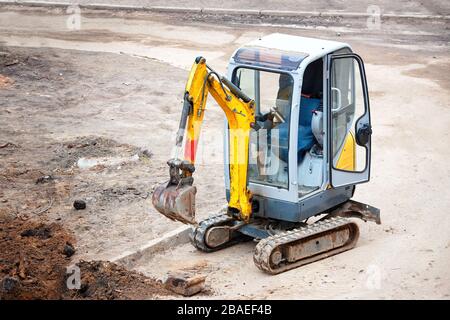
[(176, 202)]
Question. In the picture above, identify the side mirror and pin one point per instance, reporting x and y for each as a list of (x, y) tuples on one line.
[(363, 134)]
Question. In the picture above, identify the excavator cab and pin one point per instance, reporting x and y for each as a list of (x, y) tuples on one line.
[(298, 141), (310, 160)]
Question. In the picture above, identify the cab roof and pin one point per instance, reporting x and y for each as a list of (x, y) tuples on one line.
[(286, 42), (283, 51)]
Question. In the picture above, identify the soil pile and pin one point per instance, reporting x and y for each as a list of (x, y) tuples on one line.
[(33, 257), (106, 280), (33, 260)]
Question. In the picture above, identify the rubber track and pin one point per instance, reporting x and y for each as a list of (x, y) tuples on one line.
[(197, 236), (266, 246)]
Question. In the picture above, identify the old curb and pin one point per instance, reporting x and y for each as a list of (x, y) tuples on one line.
[(168, 241), (234, 12)]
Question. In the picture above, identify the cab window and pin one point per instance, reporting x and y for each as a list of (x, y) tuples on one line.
[(269, 147)]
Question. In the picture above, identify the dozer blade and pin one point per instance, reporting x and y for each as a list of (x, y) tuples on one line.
[(176, 202)]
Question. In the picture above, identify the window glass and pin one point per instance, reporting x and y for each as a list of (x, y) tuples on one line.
[(269, 146), (269, 58), (347, 106)]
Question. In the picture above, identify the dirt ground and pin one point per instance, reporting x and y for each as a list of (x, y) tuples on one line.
[(34, 261), (90, 115)]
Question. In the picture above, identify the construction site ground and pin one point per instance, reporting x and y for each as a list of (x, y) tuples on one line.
[(90, 114)]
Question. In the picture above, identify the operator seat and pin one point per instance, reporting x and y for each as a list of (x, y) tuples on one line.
[(311, 99)]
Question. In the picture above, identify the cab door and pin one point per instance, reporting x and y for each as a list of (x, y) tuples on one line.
[(349, 127)]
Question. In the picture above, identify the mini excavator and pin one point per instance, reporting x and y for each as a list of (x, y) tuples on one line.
[(297, 142)]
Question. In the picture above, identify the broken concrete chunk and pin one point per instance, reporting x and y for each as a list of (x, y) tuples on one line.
[(11, 63), (69, 250), (8, 284), (145, 153), (185, 284), (44, 179), (79, 205)]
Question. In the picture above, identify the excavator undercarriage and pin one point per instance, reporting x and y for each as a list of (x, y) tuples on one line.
[(285, 246)]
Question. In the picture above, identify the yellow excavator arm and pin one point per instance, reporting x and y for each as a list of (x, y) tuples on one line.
[(176, 198)]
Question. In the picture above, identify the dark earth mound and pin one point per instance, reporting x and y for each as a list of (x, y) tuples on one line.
[(33, 259)]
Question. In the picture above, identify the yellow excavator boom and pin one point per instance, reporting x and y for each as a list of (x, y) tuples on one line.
[(176, 198)]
